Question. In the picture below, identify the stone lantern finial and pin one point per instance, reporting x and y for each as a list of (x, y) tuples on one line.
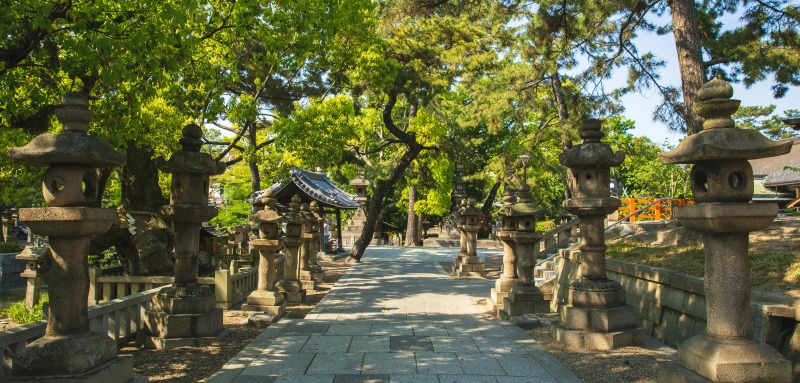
[(192, 138), (716, 105), (74, 113)]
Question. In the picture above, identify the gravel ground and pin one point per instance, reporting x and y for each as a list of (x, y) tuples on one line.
[(196, 364)]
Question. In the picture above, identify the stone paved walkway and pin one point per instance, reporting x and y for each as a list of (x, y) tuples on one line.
[(396, 317)]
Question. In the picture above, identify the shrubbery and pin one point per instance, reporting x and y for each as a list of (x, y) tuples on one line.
[(21, 315), (10, 247)]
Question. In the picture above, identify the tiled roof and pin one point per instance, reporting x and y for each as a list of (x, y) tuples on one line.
[(310, 185), (774, 169)]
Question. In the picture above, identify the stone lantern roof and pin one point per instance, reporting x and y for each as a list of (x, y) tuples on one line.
[(525, 205), (72, 145), (470, 209), (268, 214), (720, 140)]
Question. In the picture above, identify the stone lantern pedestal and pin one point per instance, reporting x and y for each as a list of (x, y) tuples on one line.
[(509, 277), (185, 313), (595, 315), (265, 298), (722, 185), (470, 264), (69, 351), (309, 248), (525, 297), (290, 285), (317, 273)]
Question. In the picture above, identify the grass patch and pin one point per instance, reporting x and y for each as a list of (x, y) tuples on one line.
[(771, 269)]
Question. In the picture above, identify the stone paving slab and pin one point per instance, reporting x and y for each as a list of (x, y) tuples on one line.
[(397, 317)]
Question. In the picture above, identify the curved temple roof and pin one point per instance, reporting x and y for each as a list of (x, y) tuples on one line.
[(310, 185)]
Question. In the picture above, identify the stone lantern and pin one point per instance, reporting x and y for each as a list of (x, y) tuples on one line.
[(310, 228), (265, 298), (460, 221), (459, 193), (69, 351), (356, 223), (290, 284), (524, 297), (470, 264), (595, 315), (36, 266), (185, 313), (316, 270), (722, 185), (509, 224)]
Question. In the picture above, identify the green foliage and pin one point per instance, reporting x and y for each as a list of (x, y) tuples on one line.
[(22, 315), (762, 119), (11, 246), (234, 185), (642, 174)]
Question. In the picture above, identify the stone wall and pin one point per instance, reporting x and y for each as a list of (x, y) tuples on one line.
[(669, 306)]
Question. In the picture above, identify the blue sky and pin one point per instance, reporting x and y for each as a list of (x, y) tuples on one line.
[(639, 107)]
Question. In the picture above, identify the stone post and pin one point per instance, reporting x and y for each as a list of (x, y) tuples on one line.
[(722, 185), (316, 270), (509, 224), (290, 285), (185, 313), (69, 352), (595, 315), (461, 220), (265, 298), (471, 264), (310, 227), (525, 297), (36, 267)]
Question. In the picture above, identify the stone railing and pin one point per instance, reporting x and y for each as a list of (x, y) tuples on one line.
[(559, 237), (120, 318), (229, 288)]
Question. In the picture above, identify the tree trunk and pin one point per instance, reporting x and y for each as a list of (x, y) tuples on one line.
[(487, 205), (420, 229), (255, 177), (690, 59), (411, 226), (563, 119), (140, 190), (383, 188), (146, 247)]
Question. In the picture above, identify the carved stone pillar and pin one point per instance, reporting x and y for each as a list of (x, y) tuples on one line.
[(265, 298), (290, 285), (69, 352), (470, 263), (185, 314), (509, 276), (595, 315), (309, 248), (722, 185)]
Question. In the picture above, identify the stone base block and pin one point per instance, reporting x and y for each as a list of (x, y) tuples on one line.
[(512, 309), (275, 310), (597, 299), (294, 296), (309, 285), (65, 354), (471, 260), (471, 270), (261, 321), (497, 298), (598, 340), (165, 325), (596, 319), (160, 343), (671, 372), (197, 300), (117, 370), (735, 361), (264, 298)]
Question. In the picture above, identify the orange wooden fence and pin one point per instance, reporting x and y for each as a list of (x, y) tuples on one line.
[(656, 212)]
